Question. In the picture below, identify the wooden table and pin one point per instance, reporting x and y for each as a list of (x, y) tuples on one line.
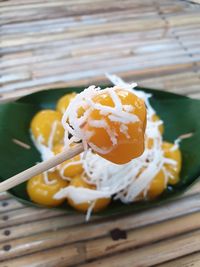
[(48, 44)]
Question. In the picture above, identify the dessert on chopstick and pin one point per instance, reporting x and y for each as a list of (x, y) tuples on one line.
[(125, 156), (111, 122)]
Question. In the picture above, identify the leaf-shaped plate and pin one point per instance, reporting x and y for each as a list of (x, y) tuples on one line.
[(179, 113)]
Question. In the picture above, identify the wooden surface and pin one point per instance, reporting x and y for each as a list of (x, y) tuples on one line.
[(48, 44)]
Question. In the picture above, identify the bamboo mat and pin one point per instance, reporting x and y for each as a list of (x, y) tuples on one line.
[(54, 44)]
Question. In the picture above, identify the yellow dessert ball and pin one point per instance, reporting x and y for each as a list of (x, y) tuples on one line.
[(126, 148), (42, 193), (64, 101), (173, 170), (42, 125), (157, 185), (71, 167), (100, 204)]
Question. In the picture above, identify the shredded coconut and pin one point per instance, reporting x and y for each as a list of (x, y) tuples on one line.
[(80, 194), (179, 139), (67, 165), (52, 134)]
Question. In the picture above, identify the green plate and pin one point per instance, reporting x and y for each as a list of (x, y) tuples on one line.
[(180, 115)]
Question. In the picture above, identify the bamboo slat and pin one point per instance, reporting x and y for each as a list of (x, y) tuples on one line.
[(4, 196), (15, 217), (146, 256), (187, 261), (97, 228), (155, 253), (9, 204)]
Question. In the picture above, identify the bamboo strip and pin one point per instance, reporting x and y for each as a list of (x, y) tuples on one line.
[(136, 74), (195, 94), (112, 60), (181, 84), (112, 67), (15, 217), (12, 16), (142, 237), (71, 5), (145, 256), (63, 22), (186, 29), (118, 56), (4, 196), (137, 46), (40, 2), (124, 26), (73, 53), (190, 89), (83, 6), (193, 88), (70, 2), (155, 253), (149, 36), (40, 225), (9, 205), (14, 77), (95, 12), (94, 230), (64, 66), (62, 257), (173, 77), (192, 260), (88, 50), (184, 19), (41, 14), (100, 45), (58, 68)]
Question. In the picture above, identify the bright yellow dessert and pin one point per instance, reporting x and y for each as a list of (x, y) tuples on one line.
[(64, 101), (71, 167), (123, 141), (46, 126), (42, 191), (172, 169), (99, 205)]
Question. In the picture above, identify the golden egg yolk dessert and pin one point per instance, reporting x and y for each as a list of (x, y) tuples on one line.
[(100, 203), (42, 192), (157, 185), (111, 121), (64, 101), (71, 167), (173, 170), (126, 140), (46, 126)]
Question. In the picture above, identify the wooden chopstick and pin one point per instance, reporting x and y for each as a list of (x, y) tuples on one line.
[(41, 167)]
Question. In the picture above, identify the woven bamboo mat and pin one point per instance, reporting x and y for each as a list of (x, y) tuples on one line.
[(54, 44)]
